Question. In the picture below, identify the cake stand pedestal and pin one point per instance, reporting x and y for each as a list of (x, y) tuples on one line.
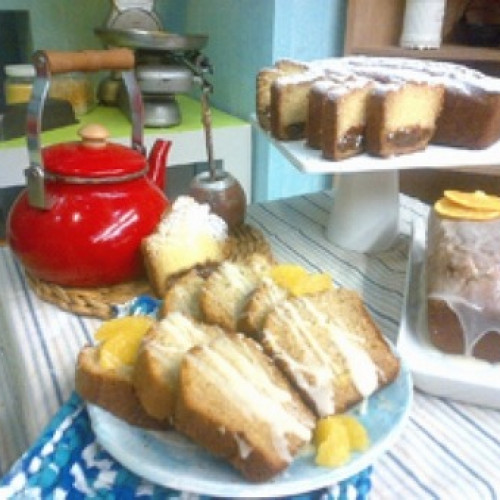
[(365, 213), (364, 216)]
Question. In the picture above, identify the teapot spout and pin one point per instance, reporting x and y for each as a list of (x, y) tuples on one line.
[(157, 160)]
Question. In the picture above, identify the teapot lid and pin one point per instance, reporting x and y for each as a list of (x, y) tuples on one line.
[(93, 157)]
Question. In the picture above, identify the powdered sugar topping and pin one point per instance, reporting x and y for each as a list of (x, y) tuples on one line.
[(189, 215)]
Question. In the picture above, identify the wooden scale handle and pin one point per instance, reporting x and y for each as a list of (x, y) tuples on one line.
[(90, 60)]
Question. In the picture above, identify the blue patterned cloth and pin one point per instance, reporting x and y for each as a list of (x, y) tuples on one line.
[(67, 462)]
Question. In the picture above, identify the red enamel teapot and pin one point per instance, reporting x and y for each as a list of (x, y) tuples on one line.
[(89, 203)]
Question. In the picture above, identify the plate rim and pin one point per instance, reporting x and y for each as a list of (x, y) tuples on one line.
[(270, 488)]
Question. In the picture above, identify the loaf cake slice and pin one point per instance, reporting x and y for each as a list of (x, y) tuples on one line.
[(156, 371), (470, 117), (184, 292), (229, 287), (262, 300), (344, 117), (401, 117), (315, 106), (235, 403), (289, 105), (189, 234), (112, 390), (330, 348), (265, 78)]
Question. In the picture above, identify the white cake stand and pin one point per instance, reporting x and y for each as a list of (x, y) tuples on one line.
[(365, 213)]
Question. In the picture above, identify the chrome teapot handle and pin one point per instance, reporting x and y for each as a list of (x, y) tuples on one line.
[(49, 63)]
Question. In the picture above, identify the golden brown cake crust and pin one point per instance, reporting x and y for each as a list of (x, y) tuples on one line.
[(227, 290), (156, 371), (265, 79), (249, 444), (260, 303), (469, 116), (468, 121), (156, 392), (111, 390), (183, 295)]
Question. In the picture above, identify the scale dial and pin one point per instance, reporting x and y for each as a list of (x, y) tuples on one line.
[(134, 14)]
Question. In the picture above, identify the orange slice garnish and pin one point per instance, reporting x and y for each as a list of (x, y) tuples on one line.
[(122, 325), (477, 200), (120, 340), (336, 437), (452, 210), (298, 281)]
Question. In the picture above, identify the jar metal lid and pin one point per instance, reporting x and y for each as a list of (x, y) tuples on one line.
[(20, 70)]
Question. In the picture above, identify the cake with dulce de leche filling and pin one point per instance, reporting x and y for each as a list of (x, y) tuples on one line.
[(463, 275)]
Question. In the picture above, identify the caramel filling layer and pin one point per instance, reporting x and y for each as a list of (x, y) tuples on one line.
[(408, 136), (352, 140)]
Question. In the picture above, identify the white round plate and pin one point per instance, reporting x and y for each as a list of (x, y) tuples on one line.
[(171, 460)]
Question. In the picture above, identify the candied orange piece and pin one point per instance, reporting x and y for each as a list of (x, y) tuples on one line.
[(117, 326), (335, 449), (287, 275), (298, 281), (324, 427), (336, 437), (358, 435), (120, 340), (478, 200), (447, 208), (312, 283)]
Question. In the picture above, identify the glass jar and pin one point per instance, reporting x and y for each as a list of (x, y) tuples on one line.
[(423, 24), (76, 88), (18, 83)]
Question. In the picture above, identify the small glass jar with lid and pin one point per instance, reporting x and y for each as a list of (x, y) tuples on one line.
[(18, 83)]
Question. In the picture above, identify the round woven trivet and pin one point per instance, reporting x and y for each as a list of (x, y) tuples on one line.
[(96, 302), (99, 302)]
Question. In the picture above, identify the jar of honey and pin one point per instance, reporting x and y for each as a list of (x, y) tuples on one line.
[(18, 82)]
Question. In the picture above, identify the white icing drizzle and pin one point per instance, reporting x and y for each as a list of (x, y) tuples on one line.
[(175, 335), (314, 370), (181, 332), (361, 367), (464, 271), (244, 448), (233, 368)]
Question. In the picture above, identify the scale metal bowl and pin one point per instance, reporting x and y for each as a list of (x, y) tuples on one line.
[(151, 40)]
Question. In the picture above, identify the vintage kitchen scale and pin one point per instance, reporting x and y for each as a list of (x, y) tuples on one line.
[(166, 64)]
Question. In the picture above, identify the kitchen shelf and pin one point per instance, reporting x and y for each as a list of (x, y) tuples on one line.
[(363, 37), (448, 51), (231, 135)]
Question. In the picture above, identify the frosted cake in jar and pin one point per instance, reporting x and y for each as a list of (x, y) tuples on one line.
[(463, 275)]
